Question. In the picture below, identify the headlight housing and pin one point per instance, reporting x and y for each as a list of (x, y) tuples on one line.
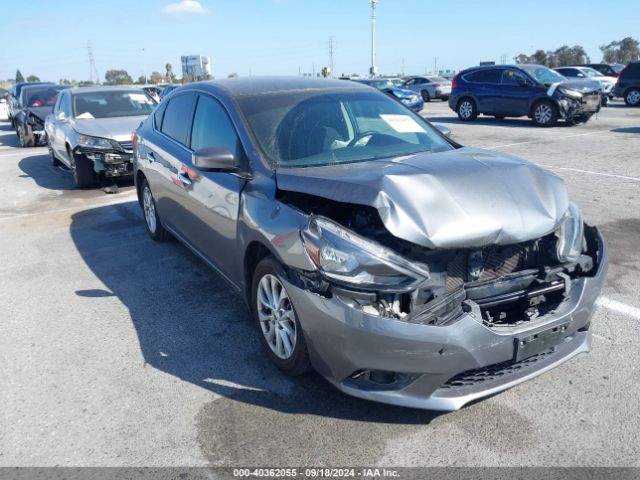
[(570, 235), (571, 93), (347, 258), (94, 142)]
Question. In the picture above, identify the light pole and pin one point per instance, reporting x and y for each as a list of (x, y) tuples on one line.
[(373, 70)]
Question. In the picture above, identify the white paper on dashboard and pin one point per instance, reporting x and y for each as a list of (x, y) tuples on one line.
[(403, 123)]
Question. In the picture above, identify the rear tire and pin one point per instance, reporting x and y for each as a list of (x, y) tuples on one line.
[(155, 229), (632, 97), (425, 96), (83, 174), (545, 113), (467, 110), (276, 320), (52, 156)]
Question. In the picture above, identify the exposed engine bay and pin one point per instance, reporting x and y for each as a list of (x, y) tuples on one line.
[(507, 284)]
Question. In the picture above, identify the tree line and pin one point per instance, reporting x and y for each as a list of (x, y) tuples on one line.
[(623, 51), (121, 77)]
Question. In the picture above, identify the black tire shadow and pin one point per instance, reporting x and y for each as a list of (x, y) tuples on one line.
[(8, 138), (191, 325), (39, 168), (487, 121), (626, 130)]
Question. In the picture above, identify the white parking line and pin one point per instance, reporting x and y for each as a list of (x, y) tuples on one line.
[(546, 139), (619, 307), (590, 172)]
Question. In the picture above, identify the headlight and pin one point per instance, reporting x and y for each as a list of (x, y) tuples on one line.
[(348, 258), (570, 235), (571, 93), (94, 142)]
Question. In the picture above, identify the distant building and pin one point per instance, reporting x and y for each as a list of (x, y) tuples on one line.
[(196, 66)]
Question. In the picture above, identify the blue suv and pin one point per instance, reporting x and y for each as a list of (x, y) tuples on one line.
[(534, 91)]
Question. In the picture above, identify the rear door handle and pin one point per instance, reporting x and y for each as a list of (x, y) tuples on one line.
[(184, 178)]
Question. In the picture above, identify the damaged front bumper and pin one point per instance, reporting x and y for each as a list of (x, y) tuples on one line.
[(577, 106), (111, 164), (442, 367)]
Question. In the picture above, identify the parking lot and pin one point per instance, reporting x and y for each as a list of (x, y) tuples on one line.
[(115, 350)]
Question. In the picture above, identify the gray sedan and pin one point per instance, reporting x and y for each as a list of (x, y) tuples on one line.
[(90, 131), (429, 87), (401, 266)]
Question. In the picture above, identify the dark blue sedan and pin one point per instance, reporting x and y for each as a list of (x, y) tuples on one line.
[(408, 98), (534, 91)]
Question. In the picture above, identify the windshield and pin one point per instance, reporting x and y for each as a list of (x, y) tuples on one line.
[(543, 74), (381, 84), (438, 79), (590, 72), (312, 128), (108, 104), (41, 96)]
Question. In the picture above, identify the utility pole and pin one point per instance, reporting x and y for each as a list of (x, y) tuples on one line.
[(435, 66), (331, 57), (373, 70), (92, 65), (402, 70)]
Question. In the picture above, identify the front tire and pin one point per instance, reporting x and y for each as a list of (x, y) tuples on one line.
[(632, 97), (83, 174), (276, 319), (545, 113), (25, 140), (155, 229), (467, 110)]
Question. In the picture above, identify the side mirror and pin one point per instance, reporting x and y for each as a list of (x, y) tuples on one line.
[(213, 159), (61, 116), (446, 131), (3, 100), (580, 75)]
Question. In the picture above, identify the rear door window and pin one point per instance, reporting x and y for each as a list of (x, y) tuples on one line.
[(490, 75), (177, 116)]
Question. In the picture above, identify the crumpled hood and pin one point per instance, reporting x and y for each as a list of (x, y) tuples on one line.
[(456, 199), (40, 112), (116, 128), (581, 85)]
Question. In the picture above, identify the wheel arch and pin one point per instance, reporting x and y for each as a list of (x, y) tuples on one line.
[(255, 252)]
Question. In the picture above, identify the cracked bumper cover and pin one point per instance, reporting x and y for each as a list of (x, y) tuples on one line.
[(343, 340)]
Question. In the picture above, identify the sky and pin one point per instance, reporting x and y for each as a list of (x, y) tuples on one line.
[(49, 38)]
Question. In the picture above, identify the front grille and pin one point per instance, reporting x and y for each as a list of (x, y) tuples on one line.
[(501, 261), (127, 146), (472, 378)]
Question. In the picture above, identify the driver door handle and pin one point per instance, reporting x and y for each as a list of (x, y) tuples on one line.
[(184, 178), (151, 157)]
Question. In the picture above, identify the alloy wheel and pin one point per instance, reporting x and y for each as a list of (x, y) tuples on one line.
[(149, 209), (543, 113), (633, 97), (466, 109), (276, 315)]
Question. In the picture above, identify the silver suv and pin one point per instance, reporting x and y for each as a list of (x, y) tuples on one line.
[(401, 266)]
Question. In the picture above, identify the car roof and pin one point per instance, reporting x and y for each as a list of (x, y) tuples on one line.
[(114, 88), (250, 86)]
